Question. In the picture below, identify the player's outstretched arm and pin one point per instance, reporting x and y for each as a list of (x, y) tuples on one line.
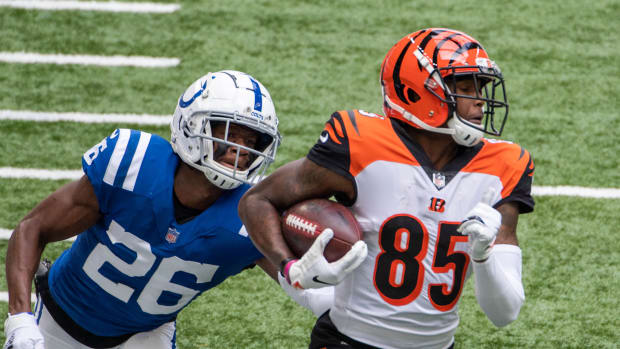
[(65, 213), (497, 267)]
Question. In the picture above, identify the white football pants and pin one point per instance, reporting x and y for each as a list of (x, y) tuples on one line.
[(55, 337)]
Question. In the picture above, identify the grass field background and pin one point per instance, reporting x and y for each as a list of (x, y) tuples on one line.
[(315, 57)]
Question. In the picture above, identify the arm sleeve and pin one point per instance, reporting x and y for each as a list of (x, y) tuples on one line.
[(317, 300), (499, 289)]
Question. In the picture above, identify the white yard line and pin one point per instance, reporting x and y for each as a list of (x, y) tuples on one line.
[(143, 119), (563, 190), (108, 61), (108, 6), (4, 297), (5, 234), (585, 192), (36, 173)]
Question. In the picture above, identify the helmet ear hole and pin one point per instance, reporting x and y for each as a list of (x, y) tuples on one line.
[(412, 95)]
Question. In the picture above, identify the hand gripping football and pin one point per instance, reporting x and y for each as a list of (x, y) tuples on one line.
[(303, 222)]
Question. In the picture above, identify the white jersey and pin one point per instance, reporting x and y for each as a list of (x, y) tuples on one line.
[(405, 294)]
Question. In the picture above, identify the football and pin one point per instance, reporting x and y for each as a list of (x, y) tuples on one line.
[(303, 222)]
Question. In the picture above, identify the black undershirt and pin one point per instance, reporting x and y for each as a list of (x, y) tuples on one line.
[(182, 213)]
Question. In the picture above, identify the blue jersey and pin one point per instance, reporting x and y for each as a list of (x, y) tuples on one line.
[(138, 267)]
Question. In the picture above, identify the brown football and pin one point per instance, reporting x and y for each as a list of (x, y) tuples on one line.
[(303, 222)]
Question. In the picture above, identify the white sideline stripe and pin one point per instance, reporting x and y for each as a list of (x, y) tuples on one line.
[(27, 115), (35, 173), (4, 297), (108, 61), (109, 6), (5, 234), (562, 190)]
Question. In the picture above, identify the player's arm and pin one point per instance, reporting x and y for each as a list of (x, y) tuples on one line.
[(508, 230), (497, 267), (260, 210), (65, 213), (269, 268), (261, 207)]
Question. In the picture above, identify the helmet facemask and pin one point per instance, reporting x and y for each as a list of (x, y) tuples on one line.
[(212, 148), (489, 88)]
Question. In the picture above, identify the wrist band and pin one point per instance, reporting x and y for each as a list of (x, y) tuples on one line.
[(285, 262), (285, 265)]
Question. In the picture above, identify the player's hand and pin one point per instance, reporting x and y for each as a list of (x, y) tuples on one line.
[(482, 225), (314, 271), (22, 332)]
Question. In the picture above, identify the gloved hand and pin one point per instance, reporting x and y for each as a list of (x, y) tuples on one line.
[(22, 332), (482, 225), (313, 270)]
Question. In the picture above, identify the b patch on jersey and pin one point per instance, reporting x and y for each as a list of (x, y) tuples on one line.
[(437, 205), (172, 235)]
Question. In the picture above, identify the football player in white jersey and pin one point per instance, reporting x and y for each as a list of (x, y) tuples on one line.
[(436, 201), (157, 224)]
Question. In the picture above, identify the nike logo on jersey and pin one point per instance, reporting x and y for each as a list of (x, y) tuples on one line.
[(324, 137), (316, 279)]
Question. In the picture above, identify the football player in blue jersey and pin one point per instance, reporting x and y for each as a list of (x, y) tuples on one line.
[(156, 224)]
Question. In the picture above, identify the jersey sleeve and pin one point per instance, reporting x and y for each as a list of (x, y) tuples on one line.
[(332, 151), (521, 193), (332, 148), (114, 163)]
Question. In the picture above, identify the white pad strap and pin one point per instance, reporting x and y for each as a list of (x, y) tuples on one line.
[(499, 289), (317, 300), (407, 115)]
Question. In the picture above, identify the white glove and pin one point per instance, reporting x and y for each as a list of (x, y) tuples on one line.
[(22, 332), (482, 225), (313, 270)]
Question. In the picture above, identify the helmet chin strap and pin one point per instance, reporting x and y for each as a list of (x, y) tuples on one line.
[(464, 134), (461, 132)]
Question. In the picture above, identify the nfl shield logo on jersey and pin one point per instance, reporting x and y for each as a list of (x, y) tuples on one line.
[(439, 180), (172, 235)]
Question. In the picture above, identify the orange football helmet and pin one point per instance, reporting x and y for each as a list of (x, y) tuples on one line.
[(418, 73)]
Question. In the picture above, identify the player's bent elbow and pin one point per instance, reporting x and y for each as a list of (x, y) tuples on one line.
[(244, 206), (508, 314)]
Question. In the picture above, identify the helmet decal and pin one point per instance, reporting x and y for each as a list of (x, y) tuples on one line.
[(258, 97), (399, 87), (185, 104)]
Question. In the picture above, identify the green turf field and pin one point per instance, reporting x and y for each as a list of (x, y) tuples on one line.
[(560, 61)]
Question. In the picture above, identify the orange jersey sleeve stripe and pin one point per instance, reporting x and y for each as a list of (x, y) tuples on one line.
[(508, 161), (373, 140), (332, 134)]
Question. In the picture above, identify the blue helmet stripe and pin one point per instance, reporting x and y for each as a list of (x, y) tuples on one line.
[(258, 96)]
